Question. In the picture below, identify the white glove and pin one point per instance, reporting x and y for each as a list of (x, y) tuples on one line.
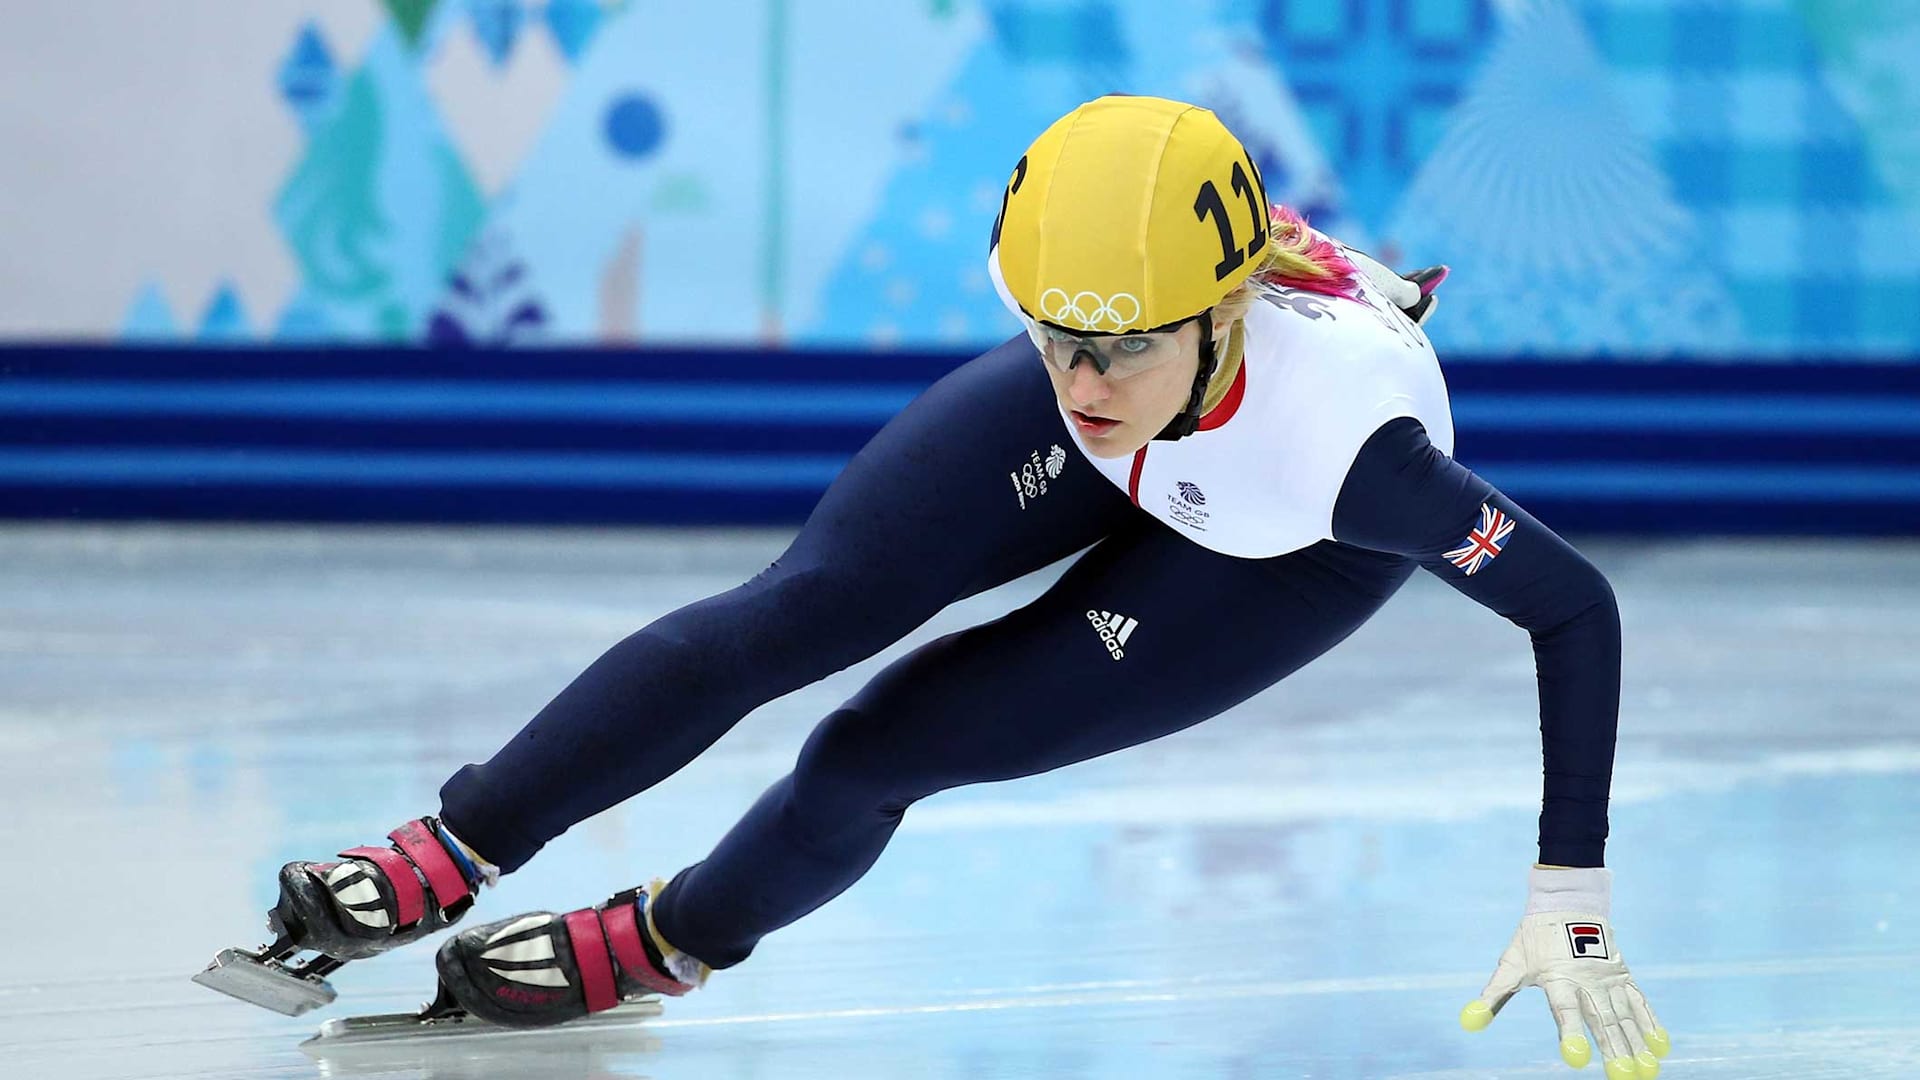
[(1565, 946), (1413, 293)]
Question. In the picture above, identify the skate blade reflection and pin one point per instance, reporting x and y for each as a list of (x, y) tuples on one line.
[(412, 1028), (558, 1053)]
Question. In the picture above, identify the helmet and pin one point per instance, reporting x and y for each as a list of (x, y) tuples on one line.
[(1130, 214)]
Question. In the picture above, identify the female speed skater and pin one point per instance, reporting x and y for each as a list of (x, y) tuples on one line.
[(1259, 457)]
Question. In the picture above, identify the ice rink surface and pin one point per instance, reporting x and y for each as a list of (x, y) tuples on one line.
[(1309, 886)]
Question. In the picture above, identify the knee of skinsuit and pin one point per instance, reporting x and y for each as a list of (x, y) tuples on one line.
[(851, 763)]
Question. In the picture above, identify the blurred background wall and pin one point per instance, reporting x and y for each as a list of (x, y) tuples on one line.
[(628, 260)]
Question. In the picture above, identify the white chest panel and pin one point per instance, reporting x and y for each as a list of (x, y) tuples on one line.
[(1320, 375)]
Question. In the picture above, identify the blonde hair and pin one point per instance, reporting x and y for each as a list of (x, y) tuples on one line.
[(1296, 257)]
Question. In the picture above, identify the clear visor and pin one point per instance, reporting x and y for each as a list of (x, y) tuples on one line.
[(1117, 356)]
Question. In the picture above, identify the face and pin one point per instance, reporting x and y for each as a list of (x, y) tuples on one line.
[(1148, 380)]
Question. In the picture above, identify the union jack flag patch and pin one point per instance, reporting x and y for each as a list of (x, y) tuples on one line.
[(1484, 542)]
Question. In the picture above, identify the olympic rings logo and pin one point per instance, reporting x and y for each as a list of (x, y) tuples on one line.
[(1089, 310)]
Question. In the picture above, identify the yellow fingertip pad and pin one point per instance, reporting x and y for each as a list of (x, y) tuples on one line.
[(1659, 1042), (1476, 1016), (1622, 1068), (1646, 1065), (1576, 1051)]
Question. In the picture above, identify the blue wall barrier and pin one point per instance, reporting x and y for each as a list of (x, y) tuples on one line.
[(670, 436)]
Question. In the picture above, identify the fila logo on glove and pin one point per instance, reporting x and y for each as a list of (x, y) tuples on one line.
[(1589, 941)]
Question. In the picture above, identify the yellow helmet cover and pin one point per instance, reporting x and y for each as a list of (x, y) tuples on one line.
[(1130, 214)]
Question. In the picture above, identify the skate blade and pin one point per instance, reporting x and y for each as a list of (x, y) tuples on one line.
[(240, 974), (403, 1027)]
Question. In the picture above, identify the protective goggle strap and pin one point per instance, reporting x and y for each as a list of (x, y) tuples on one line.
[(1188, 421)]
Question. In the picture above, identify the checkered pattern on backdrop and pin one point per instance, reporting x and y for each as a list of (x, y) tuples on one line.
[(1716, 177), (1778, 176)]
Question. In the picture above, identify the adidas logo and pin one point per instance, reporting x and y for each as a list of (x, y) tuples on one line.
[(1114, 630)]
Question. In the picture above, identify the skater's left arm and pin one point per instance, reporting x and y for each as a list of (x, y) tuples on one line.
[(1402, 495)]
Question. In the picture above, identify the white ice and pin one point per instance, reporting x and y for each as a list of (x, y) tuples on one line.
[(1311, 885)]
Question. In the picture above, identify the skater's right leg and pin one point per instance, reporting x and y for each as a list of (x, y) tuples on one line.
[(377, 897), (972, 485), (967, 488)]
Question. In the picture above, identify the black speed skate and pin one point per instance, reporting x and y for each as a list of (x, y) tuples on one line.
[(597, 967), (539, 969), (372, 900), (376, 898)]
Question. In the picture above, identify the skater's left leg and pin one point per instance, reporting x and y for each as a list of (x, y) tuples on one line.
[(540, 968), (1053, 683), (1146, 635)]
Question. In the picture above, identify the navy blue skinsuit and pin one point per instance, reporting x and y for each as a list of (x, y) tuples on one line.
[(929, 513)]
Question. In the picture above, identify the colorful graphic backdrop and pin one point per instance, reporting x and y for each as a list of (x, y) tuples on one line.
[(1613, 177)]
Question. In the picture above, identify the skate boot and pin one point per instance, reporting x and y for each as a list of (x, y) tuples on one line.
[(540, 968), (374, 899), (377, 898)]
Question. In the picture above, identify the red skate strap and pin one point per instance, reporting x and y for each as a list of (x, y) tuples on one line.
[(590, 954), (623, 933), (410, 903), (443, 874)]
